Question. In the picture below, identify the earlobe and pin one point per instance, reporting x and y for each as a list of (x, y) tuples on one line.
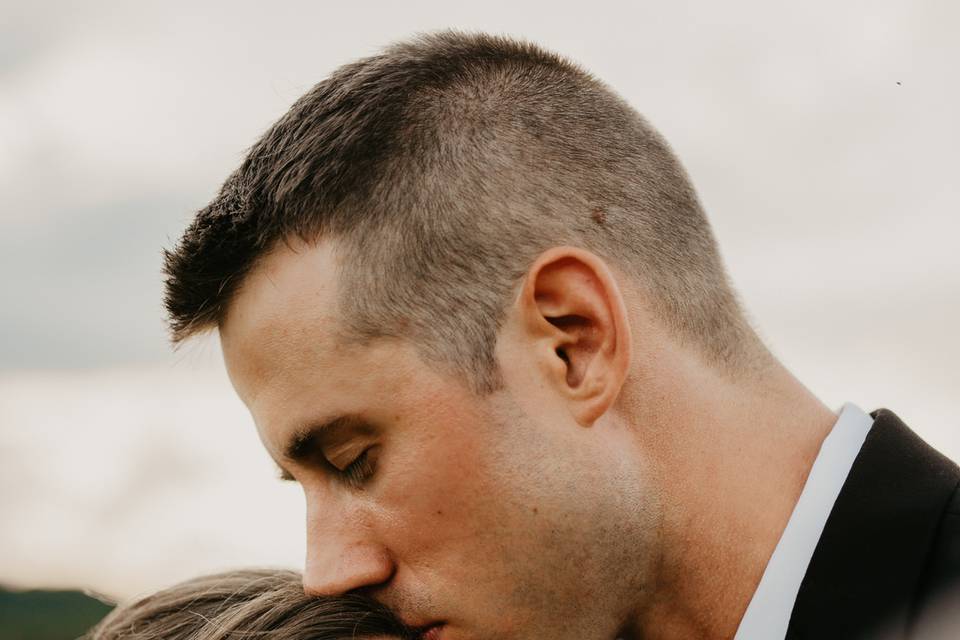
[(574, 310)]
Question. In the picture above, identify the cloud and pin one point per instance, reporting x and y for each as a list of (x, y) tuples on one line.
[(125, 480)]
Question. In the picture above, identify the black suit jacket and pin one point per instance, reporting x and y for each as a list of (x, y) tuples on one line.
[(887, 565)]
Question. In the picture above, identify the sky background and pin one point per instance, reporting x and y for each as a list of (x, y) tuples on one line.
[(822, 138)]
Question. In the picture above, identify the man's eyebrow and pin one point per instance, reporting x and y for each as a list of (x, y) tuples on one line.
[(306, 442)]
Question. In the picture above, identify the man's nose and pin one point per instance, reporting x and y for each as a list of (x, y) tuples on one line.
[(343, 556)]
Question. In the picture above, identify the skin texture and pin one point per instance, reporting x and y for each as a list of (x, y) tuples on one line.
[(607, 490), (494, 516)]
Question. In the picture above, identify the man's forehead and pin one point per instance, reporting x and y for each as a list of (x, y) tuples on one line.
[(292, 277), (284, 312)]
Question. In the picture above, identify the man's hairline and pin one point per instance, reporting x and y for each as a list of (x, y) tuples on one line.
[(344, 334)]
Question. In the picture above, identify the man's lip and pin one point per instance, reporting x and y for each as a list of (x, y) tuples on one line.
[(431, 632)]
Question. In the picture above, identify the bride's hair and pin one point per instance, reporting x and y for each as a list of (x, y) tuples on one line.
[(247, 604)]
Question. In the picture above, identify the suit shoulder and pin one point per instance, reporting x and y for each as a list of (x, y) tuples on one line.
[(937, 604)]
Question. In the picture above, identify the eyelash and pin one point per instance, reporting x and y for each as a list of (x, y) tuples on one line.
[(358, 471)]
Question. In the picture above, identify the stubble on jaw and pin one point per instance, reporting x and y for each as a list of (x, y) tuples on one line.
[(599, 535)]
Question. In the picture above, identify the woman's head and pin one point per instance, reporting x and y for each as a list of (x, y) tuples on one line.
[(247, 604)]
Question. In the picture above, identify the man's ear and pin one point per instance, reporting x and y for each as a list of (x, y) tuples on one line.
[(572, 310)]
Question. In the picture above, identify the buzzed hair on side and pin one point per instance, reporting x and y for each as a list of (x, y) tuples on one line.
[(443, 166)]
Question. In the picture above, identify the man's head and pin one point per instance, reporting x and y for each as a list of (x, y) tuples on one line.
[(443, 167), (432, 279)]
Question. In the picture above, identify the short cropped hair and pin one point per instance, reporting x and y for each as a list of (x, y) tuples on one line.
[(247, 604), (442, 167)]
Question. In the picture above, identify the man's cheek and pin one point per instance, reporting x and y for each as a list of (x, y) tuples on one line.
[(436, 511)]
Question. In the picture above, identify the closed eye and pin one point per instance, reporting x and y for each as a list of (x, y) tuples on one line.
[(360, 470)]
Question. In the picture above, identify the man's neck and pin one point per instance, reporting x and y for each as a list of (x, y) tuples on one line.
[(732, 459)]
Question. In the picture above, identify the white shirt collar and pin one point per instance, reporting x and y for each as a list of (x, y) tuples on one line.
[(768, 613)]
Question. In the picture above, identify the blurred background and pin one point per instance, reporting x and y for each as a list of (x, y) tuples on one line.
[(822, 138)]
